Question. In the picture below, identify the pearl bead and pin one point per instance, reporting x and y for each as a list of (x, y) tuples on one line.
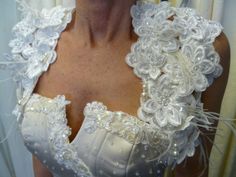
[(175, 153)]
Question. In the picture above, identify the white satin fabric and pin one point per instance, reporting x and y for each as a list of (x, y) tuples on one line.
[(97, 151)]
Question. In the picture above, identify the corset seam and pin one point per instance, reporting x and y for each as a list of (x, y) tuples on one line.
[(98, 154), (129, 159)]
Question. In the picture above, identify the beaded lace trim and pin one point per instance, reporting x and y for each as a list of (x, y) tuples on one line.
[(122, 124), (64, 152), (33, 48)]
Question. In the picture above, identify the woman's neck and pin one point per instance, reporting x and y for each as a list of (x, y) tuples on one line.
[(102, 21)]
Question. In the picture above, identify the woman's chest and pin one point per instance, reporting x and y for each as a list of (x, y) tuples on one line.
[(91, 75)]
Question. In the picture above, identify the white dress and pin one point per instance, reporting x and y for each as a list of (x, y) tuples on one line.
[(175, 61)]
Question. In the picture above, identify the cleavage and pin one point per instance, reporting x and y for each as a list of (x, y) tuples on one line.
[(87, 80)]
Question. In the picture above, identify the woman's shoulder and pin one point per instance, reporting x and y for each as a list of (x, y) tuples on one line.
[(33, 46), (170, 30), (211, 101), (184, 54), (35, 38), (222, 47)]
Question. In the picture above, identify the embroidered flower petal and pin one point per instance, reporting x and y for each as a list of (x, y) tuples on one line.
[(160, 118)]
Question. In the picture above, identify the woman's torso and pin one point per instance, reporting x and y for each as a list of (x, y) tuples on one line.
[(174, 60), (87, 77)]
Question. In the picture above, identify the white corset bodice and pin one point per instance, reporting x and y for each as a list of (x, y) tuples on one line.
[(175, 61), (107, 144)]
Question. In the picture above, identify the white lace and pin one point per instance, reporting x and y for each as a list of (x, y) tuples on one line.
[(174, 58), (63, 151), (33, 48)]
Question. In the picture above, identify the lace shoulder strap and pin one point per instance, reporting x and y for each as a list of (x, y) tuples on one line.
[(33, 48), (176, 61)]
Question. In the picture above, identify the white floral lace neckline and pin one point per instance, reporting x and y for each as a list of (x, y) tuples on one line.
[(175, 59)]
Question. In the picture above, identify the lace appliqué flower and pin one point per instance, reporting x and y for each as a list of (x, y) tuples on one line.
[(33, 47)]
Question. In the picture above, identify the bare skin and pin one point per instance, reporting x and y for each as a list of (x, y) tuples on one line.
[(91, 67)]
